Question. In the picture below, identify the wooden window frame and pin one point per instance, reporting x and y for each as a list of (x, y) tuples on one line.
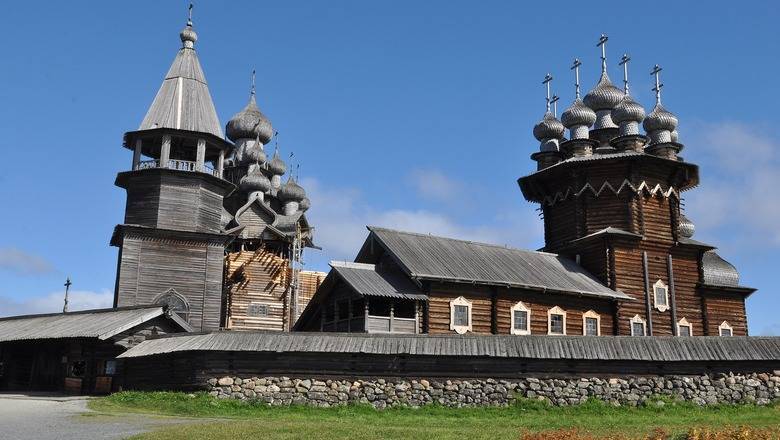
[(661, 285), (684, 323), (460, 301), (521, 307), (591, 314), (555, 311), (637, 320), (725, 326)]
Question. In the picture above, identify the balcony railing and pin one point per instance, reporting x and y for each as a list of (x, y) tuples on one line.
[(175, 164)]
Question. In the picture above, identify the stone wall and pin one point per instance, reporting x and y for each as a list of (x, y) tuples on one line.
[(757, 388)]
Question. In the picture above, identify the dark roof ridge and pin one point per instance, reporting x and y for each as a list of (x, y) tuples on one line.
[(479, 243)]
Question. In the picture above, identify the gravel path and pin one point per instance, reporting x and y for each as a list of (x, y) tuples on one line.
[(49, 418)]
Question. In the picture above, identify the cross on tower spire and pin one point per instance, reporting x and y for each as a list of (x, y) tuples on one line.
[(576, 68), (252, 91), (657, 89), (554, 102), (189, 15), (67, 288), (547, 79), (624, 62), (603, 44)]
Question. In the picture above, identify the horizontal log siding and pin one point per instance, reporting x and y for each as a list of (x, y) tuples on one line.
[(439, 307), (256, 277), (725, 307)]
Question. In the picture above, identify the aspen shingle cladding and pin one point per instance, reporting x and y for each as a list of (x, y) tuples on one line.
[(428, 257), (657, 349)]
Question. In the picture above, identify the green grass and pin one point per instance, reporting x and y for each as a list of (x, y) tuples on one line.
[(428, 423)]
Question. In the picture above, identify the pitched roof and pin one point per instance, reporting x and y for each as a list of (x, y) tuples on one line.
[(183, 101), (367, 281), (101, 323), (600, 348), (430, 257)]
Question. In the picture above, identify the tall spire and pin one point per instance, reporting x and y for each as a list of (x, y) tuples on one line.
[(547, 79), (603, 44), (624, 62), (657, 89), (576, 68)]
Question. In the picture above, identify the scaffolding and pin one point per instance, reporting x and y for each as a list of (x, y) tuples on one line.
[(296, 264)]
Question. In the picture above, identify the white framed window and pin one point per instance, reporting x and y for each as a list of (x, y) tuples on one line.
[(661, 296), (591, 323), (725, 329), (521, 319), (556, 321), (460, 315), (684, 328), (638, 326)]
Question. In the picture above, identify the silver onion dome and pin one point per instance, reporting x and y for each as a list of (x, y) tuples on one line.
[(717, 271), (304, 204), (188, 36), (660, 119), (276, 165), (628, 110), (291, 191), (255, 181), (604, 96), (687, 228), (254, 154), (578, 114), (548, 128), (250, 123)]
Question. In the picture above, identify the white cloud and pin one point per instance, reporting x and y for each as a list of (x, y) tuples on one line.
[(340, 217), (433, 184), (21, 262), (52, 303)]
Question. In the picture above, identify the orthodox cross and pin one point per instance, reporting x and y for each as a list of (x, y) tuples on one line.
[(253, 82), (554, 102), (189, 15), (546, 82), (624, 62), (576, 68), (603, 45), (657, 89), (67, 288)]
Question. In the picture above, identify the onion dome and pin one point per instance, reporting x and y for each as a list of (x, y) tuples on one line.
[(577, 118), (686, 228), (628, 114), (291, 192), (276, 165), (548, 128), (304, 204), (255, 181), (674, 135), (602, 99), (660, 119), (717, 271), (253, 154), (250, 123), (188, 36)]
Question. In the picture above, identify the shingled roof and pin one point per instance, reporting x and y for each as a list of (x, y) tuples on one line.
[(428, 257), (367, 281), (101, 323)]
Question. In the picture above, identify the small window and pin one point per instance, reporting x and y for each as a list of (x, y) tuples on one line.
[(556, 321), (175, 302), (591, 323), (638, 326), (661, 296), (684, 328), (460, 315), (257, 310), (725, 329), (521, 322)]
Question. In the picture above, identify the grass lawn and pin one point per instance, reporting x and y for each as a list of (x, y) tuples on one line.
[(248, 420)]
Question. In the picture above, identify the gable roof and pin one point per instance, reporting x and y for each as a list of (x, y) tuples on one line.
[(428, 257), (367, 281), (100, 323), (183, 101)]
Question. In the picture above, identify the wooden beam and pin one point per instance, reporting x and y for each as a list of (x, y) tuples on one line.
[(165, 151), (648, 308), (673, 305)]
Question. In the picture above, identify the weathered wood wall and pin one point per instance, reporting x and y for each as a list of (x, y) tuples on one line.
[(721, 307)]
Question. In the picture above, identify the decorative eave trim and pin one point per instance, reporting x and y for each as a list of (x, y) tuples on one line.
[(607, 187)]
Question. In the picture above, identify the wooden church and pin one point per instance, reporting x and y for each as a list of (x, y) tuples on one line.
[(211, 230), (619, 255)]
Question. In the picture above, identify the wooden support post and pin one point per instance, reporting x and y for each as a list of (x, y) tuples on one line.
[(200, 158), (673, 305), (392, 315), (416, 317), (221, 164), (494, 310), (137, 154), (365, 315), (648, 308), (165, 151)]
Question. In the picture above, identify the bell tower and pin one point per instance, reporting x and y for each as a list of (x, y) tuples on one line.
[(172, 241)]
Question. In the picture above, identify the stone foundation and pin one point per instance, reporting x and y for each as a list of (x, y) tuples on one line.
[(757, 388)]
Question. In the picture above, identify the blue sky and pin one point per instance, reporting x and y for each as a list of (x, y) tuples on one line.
[(409, 114)]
